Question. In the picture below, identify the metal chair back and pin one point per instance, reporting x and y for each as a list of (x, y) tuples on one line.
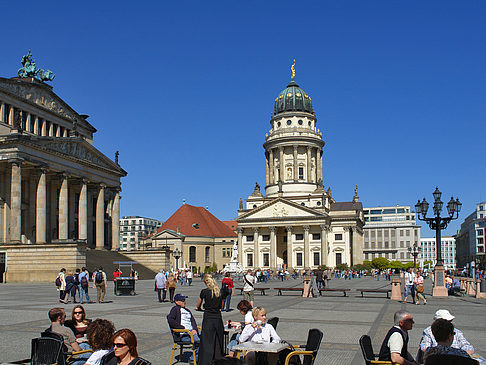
[(273, 321), (449, 360), (367, 349), (47, 351), (314, 339)]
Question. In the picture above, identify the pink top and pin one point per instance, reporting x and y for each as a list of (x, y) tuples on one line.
[(419, 280)]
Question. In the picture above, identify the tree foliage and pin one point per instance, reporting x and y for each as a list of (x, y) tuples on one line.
[(341, 267), (396, 265), (380, 263)]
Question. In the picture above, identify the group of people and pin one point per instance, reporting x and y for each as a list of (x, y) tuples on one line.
[(80, 333), (414, 286), (439, 338), (74, 287)]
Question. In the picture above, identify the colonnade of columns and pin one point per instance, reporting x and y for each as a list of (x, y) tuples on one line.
[(55, 208), (277, 154)]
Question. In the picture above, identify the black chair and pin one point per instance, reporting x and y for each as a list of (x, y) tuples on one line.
[(367, 350), (47, 350), (67, 357), (449, 360), (273, 321), (310, 350)]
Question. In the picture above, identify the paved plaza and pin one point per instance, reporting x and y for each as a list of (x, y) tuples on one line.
[(23, 315)]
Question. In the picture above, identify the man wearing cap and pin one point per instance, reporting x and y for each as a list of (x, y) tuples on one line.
[(180, 317), (459, 341), (395, 344)]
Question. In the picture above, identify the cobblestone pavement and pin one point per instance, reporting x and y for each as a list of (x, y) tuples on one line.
[(23, 315)]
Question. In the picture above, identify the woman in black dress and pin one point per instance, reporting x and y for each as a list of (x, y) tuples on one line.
[(212, 333)]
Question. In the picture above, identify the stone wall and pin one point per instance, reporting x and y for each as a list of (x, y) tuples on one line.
[(41, 263), (153, 260)]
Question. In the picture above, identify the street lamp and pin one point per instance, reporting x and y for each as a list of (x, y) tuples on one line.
[(414, 251), (177, 254), (438, 223)]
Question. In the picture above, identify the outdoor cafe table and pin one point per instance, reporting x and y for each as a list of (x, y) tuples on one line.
[(261, 347)]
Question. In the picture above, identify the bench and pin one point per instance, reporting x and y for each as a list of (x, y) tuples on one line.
[(328, 289), (387, 291), (289, 289), (262, 290)]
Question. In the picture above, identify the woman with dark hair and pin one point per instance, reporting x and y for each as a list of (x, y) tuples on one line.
[(172, 284), (79, 324), (99, 335), (70, 287), (245, 308), (227, 287), (125, 349), (212, 333)]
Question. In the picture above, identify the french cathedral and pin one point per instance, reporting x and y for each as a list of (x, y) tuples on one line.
[(296, 223)]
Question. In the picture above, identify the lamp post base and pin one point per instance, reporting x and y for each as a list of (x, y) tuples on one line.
[(439, 282)]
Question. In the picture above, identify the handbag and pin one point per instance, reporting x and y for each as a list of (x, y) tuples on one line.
[(420, 288)]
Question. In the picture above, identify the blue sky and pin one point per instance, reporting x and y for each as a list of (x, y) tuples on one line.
[(185, 90)]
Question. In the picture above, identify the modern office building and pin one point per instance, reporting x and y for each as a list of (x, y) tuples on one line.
[(389, 232), (135, 228), (448, 251), (470, 238)]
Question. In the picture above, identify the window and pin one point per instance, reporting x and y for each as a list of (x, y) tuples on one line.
[(338, 237), (480, 232), (407, 233), (388, 211), (206, 254), (317, 258), (300, 122), (289, 122), (192, 254), (376, 219), (266, 237), (249, 259), (480, 240), (249, 238), (401, 233), (377, 211), (279, 124), (266, 259), (301, 173), (299, 237), (299, 259), (339, 259), (316, 236)]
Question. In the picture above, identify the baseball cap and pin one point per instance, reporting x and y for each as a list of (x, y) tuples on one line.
[(180, 297), (444, 314)]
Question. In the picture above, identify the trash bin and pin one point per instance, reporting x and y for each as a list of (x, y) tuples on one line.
[(483, 286), (125, 286)]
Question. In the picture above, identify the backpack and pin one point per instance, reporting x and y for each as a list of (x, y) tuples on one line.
[(99, 277), (224, 290), (84, 282), (76, 279), (58, 281)]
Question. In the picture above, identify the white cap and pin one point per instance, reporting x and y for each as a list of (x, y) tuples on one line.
[(444, 314)]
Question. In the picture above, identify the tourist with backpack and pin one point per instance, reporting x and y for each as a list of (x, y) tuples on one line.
[(100, 283), (84, 285), (227, 287)]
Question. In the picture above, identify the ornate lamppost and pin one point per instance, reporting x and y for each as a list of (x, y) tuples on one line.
[(438, 223), (177, 254), (414, 251)]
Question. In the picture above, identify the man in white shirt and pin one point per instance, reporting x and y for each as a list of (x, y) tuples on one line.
[(161, 285), (249, 287), (409, 289)]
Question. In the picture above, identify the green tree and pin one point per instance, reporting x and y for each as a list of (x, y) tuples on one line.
[(380, 263), (396, 265), (408, 264), (367, 265), (341, 267)]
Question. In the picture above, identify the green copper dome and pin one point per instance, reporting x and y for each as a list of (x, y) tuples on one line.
[(293, 98)]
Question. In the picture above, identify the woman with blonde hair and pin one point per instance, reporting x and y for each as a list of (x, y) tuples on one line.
[(212, 334)]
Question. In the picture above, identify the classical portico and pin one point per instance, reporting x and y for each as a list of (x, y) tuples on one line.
[(297, 223), (56, 188)]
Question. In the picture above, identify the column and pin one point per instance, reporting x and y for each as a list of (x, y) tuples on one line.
[(16, 202), (324, 253), (2, 111), (83, 211), (282, 165), (319, 165), (30, 228), (115, 222), (240, 246), (43, 123), (11, 115), (267, 169), (41, 208), (271, 166), (63, 208), (306, 247), (71, 210), (289, 247), (309, 164), (273, 247), (36, 125), (296, 167), (256, 245), (100, 218), (28, 121)]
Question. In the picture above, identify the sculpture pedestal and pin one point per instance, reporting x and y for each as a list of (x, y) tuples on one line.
[(439, 283), (396, 293), (234, 267), (307, 293)]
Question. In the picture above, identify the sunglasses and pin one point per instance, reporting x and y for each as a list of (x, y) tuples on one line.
[(78, 312), (119, 345)]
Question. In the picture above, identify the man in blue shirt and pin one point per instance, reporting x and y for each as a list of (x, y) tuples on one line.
[(83, 285)]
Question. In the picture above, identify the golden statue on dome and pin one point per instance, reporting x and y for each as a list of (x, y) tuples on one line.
[(293, 71)]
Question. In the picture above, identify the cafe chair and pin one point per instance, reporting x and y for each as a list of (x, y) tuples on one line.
[(368, 354), (309, 352), (449, 360), (49, 350), (273, 321), (179, 345)]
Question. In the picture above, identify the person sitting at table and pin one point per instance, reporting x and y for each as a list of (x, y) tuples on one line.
[(455, 287), (244, 307), (99, 335), (443, 331)]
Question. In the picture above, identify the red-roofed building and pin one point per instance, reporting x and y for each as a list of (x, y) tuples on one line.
[(200, 237)]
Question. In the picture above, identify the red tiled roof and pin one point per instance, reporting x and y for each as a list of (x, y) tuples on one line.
[(187, 216), (231, 224)]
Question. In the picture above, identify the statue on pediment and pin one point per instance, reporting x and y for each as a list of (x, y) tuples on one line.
[(29, 69)]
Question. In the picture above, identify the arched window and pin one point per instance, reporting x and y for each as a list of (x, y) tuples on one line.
[(192, 254), (206, 254)]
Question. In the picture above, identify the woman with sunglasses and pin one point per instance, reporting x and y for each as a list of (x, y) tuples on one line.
[(212, 333), (125, 349), (79, 324)]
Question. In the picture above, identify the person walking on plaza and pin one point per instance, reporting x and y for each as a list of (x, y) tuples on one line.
[(171, 285), (100, 283), (189, 276), (212, 335), (409, 290), (227, 287), (161, 285), (395, 345), (84, 285), (249, 287), (418, 282), (61, 285)]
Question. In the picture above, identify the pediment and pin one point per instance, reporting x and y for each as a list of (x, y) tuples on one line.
[(167, 234), (280, 208)]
